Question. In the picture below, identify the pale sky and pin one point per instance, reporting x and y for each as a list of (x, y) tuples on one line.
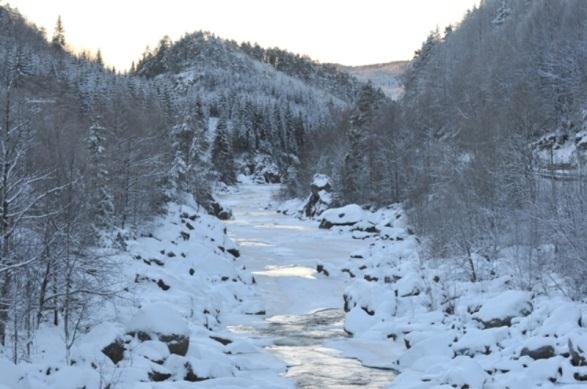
[(350, 32)]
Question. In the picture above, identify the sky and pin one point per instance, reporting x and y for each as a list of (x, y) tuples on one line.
[(349, 32)]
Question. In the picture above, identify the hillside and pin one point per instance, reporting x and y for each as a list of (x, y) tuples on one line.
[(386, 76), (269, 98)]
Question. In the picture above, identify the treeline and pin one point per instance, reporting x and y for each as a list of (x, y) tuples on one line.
[(457, 149)]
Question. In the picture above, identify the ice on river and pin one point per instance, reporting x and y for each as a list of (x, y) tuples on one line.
[(304, 308)]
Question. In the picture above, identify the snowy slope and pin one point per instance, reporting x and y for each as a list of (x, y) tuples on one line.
[(181, 282)]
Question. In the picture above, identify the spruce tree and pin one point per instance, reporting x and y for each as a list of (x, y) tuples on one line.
[(58, 39), (222, 156)]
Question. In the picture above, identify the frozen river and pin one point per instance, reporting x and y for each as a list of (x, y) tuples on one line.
[(304, 309)]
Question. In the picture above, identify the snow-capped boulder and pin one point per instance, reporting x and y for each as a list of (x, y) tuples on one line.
[(410, 285), (159, 321), (358, 320), (577, 344), (436, 345), (366, 226), (477, 341), (561, 321), (320, 197), (73, 377), (540, 352), (346, 216), (501, 309), (464, 372)]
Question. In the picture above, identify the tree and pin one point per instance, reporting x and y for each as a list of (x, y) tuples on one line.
[(21, 192), (101, 207), (58, 39), (222, 156), (99, 59)]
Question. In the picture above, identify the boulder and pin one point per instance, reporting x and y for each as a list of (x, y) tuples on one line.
[(345, 216), (234, 252), (157, 376), (320, 197), (115, 351), (543, 352), (272, 178), (177, 344), (213, 207), (159, 321), (501, 309)]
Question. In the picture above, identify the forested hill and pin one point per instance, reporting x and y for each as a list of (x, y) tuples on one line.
[(266, 100), (203, 51)]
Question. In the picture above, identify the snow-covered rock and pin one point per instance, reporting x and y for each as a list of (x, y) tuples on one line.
[(159, 319), (501, 309), (261, 169), (344, 216), (320, 198)]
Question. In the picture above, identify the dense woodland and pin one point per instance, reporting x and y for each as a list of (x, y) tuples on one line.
[(89, 154)]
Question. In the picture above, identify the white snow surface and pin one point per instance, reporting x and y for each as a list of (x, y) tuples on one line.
[(347, 215), (320, 180)]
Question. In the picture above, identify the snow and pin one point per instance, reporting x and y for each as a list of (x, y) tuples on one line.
[(10, 375), (344, 216), (177, 278), (503, 307), (419, 318), (321, 181), (160, 319), (437, 328)]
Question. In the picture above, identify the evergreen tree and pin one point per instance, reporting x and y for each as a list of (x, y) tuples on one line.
[(99, 59), (181, 140), (58, 39), (352, 171), (222, 156)]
